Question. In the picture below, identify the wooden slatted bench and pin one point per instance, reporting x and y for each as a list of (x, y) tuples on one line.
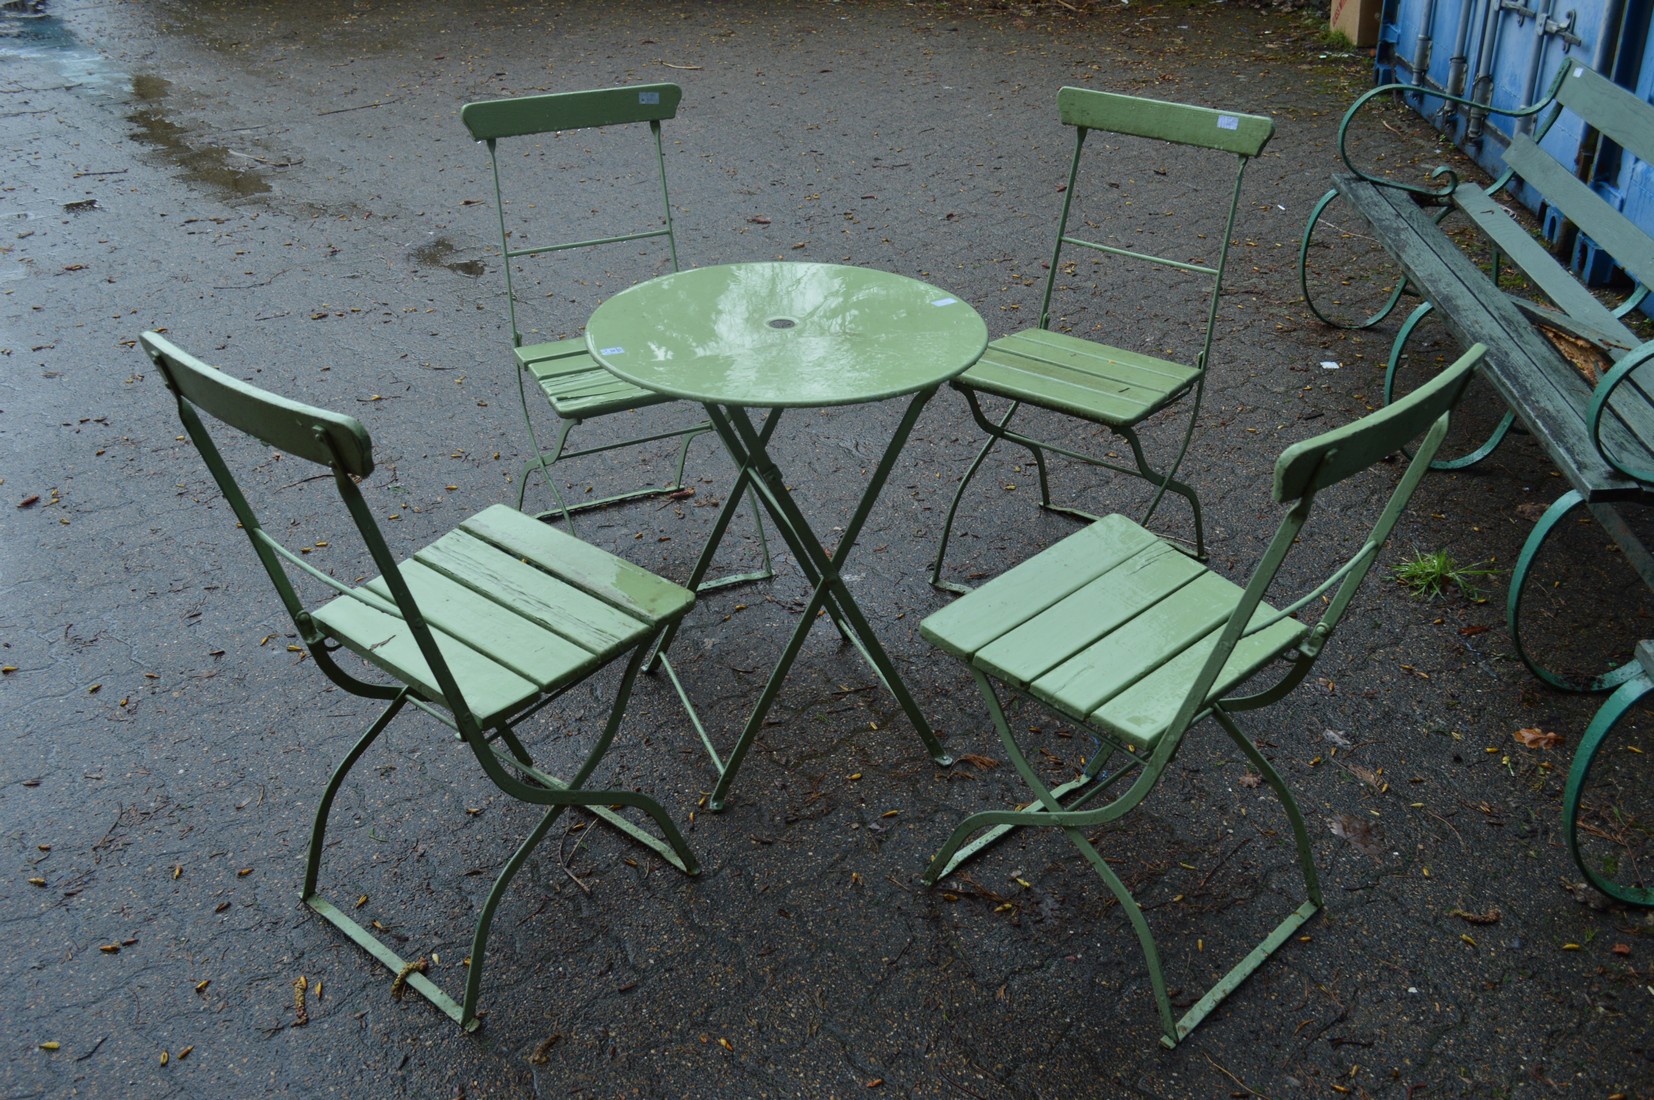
[(1598, 430)]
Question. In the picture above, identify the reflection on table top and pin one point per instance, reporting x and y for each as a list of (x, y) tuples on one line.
[(777, 335)]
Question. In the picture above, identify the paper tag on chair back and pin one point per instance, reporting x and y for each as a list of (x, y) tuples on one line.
[(1118, 631)]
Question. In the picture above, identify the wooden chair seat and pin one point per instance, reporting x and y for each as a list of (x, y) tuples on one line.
[(1108, 627), (576, 386), (479, 630), (518, 609), (1122, 634), (1082, 378), (1115, 388)]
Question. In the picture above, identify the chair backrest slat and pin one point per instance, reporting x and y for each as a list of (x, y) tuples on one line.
[(1185, 124), (492, 119), (1242, 135), (303, 431), (1306, 468), (329, 439)]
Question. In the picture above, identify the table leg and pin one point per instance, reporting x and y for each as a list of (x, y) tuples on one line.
[(748, 444), (744, 476)]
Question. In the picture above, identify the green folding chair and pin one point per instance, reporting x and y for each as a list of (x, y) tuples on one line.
[(576, 386), (1120, 632), (1115, 388), (480, 629)]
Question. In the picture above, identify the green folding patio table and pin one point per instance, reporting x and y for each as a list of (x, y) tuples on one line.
[(776, 336)]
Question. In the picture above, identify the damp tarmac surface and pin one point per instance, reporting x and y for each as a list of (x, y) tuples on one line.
[(286, 190)]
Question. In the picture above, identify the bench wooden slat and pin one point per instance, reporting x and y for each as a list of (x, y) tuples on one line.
[(1633, 404), (1530, 375), (1536, 262), (1611, 230), (1610, 109)]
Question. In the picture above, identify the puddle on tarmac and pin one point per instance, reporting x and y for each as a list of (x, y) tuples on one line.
[(206, 164), (28, 29), (436, 253)]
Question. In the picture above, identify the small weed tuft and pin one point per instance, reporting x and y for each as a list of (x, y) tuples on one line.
[(1428, 575)]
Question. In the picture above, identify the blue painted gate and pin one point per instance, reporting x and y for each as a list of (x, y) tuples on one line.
[(1505, 53)]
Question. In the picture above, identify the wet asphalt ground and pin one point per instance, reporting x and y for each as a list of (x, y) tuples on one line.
[(286, 189)]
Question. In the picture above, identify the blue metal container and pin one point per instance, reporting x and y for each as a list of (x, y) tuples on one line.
[(1506, 53)]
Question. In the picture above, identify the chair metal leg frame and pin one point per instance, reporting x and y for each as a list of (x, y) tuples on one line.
[(1489, 445), (544, 460), (1303, 274), (1554, 515), (936, 580), (748, 446), (540, 789), (1073, 823), (1629, 694), (996, 431)]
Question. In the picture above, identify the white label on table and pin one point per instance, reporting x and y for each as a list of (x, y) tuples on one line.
[(944, 301), (648, 97), (611, 351), (1228, 122)]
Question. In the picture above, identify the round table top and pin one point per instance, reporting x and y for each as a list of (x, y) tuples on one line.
[(778, 335)]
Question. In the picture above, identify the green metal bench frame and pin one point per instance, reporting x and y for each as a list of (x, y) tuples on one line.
[(1600, 437), (575, 385), (1115, 629), (1112, 387), (481, 629)]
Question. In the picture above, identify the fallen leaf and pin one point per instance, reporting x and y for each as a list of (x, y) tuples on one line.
[(1537, 739), (1250, 780), (1359, 832), (1492, 916), (542, 1051), (1366, 775)]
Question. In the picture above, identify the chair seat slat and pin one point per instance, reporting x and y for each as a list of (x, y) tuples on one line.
[(1078, 377), (1089, 614), (617, 582), (1026, 589), (576, 385), (1156, 634), (491, 690), (550, 601), (493, 629), (1143, 711)]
